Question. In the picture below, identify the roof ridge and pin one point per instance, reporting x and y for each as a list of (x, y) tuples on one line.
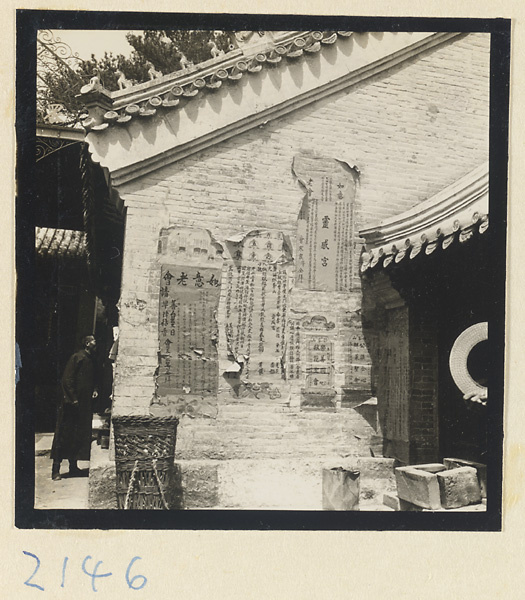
[(173, 90)]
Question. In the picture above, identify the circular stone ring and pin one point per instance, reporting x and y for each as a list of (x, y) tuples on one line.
[(459, 356)]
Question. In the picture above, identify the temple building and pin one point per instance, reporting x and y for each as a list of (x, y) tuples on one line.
[(78, 261), (427, 279), (306, 236)]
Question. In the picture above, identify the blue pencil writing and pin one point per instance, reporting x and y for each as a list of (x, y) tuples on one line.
[(94, 575), (28, 581), (64, 571), (131, 581)]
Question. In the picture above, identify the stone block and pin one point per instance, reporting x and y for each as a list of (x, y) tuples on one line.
[(102, 487), (392, 501), (341, 489), (268, 483), (195, 484), (459, 487), (409, 507), (395, 503), (376, 467), (418, 487), (430, 467), (452, 463), (377, 477)]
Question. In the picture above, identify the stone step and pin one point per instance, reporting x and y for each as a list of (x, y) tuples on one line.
[(274, 451), (253, 448), (254, 405), (263, 483), (286, 482), (271, 418), (242, 434), (293, 420), (240, 431), (285, 442), (283, 409), (271, 430), (255, 417)]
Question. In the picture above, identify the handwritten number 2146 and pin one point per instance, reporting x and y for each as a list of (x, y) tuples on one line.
[(135, 583)]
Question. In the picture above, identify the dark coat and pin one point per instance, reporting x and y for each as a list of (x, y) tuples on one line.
[(75, 412)]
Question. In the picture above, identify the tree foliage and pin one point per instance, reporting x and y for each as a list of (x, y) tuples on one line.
[(166, 51), (163, 48)]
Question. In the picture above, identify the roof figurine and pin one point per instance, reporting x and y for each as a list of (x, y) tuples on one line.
[(93, 84), (152, 72), (215, 52), (185, 63), (255, 52), (123, 83)]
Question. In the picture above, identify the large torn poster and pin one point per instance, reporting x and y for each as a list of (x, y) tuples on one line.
[(327, 256), (256, 304), (189, 298)]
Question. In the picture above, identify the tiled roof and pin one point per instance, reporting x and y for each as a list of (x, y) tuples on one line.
[(174, 90), (61, 243), (453, 215)]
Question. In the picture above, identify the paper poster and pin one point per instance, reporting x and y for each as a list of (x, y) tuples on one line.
[(393, 375), (256, 304), (189, 298), (326, 237), (357, 361)]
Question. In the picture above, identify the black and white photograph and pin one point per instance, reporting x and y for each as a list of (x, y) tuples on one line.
[(261, 272)]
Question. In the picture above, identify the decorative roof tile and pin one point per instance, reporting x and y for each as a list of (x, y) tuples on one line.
[(176, 89), (451, 216), (61, 243)]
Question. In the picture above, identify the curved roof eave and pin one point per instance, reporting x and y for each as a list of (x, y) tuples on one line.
[(454, 213)]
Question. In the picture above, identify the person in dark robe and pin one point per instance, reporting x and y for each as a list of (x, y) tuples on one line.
[(72, 438)]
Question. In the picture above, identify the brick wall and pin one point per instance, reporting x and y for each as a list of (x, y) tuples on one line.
[(410, 131), (423, 415)]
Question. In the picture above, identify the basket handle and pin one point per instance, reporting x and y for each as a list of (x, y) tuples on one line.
[(154, 462), (130, 486), (132, 481)]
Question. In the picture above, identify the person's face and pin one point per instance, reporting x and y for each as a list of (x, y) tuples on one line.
[(91, 344)]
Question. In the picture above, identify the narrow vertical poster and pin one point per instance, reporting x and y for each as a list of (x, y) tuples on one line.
[(326, 236), (357, 360)]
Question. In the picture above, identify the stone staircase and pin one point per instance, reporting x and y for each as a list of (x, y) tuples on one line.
[(265, 454), (269, 429)]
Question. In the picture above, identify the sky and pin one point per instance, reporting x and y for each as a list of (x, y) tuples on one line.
[(96, 42)]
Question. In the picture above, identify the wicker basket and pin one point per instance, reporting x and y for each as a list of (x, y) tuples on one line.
[(144, 453)]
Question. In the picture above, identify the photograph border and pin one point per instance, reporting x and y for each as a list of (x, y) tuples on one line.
[(26, 517)]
